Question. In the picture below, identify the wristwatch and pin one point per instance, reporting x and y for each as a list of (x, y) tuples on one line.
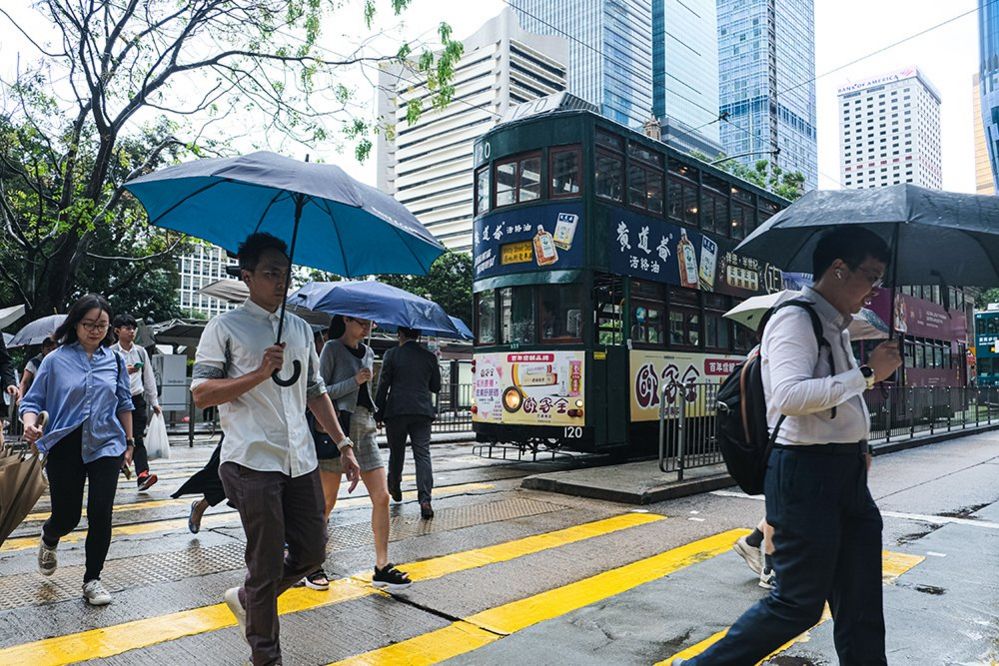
[(344, 443), (868, 373), (129, 441)]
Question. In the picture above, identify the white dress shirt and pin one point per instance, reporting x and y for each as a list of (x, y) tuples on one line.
[(798, 381), (143, 381), (265, 428)]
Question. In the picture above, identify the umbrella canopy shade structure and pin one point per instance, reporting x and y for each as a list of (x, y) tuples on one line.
[(933, 235), (866, 325), (344, 226), (9, 315), (178, 332), (34, 332), (230, 291), (379, 302)]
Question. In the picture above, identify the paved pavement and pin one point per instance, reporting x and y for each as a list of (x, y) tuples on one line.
[(509, 575)]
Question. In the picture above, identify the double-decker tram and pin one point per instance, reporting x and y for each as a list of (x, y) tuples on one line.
[(603, 265)]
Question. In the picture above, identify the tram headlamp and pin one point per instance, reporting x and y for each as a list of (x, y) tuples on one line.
[(512, 399), (579, 403)]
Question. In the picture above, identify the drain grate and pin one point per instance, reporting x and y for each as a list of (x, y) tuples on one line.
[(21, 590)]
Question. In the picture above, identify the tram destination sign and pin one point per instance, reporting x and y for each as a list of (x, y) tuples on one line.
[(536, 238)]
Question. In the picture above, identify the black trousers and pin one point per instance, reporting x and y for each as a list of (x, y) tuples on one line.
[(67, 473), (417, 429), (827, 547), (139, 422)]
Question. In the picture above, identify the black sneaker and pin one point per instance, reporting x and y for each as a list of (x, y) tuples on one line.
[(391, 579), (395, 492)]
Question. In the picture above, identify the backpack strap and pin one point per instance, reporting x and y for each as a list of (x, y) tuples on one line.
[(820, 338)]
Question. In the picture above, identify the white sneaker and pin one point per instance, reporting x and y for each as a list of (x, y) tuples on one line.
[(95, 594), (768, 579), (232, 601), (753, 556), (46, 559)]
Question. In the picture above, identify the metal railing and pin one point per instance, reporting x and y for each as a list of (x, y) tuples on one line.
[(454, 404), (687, 423)]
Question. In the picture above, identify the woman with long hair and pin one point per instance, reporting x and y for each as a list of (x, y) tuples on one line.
[(346, 365), (85, 389)]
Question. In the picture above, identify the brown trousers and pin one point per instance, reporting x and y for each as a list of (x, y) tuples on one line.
[(275, 509)]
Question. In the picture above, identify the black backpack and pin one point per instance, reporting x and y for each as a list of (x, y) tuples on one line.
[(741, 429)]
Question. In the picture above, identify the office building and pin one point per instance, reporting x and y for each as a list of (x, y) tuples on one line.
[(199, 268), (983, 168), (890, 131), (988, 70)]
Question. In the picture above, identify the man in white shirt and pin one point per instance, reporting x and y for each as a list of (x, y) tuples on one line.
[(268, 460), (827, 528), (143, 383)]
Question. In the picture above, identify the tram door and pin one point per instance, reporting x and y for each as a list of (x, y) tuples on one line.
[(610, 418)]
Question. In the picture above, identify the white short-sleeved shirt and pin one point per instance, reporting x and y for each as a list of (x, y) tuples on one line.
[(265, 428)]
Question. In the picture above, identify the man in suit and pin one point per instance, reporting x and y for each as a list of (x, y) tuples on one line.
[(410, 373)]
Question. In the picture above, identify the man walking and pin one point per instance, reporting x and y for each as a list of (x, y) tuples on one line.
[(268, 460), (143, 383), (827, 528), (7, 384), (410, 373)]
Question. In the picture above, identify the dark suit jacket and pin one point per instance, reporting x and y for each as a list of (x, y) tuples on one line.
[(6, 374), (409, 375)]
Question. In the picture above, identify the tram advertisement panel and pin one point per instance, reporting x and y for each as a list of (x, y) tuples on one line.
[(528, 388), (660, 251), (651, 370), (542, 238)]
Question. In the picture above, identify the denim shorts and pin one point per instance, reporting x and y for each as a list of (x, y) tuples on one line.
[(362, 432)]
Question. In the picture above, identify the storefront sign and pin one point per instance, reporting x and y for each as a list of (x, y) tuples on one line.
[(541, 237), (671, 375), (528, 388)]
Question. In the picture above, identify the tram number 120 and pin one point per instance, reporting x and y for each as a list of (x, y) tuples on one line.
[(573, 432)]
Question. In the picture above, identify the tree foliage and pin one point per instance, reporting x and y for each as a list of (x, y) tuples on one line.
[(764, 174), (122, 88), (449, 284)]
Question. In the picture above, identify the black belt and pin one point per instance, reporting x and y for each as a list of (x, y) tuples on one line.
[(833, 448)]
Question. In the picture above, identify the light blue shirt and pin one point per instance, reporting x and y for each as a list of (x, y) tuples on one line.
[(76, 390)]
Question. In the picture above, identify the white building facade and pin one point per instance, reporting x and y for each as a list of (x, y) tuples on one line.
[(890, 131), (201, 267), (427, 166)]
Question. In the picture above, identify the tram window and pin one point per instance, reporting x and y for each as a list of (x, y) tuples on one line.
[(636, 186), (654, 187), (744, 339), (692, 322), (647, 321), (738, 226), (938, 356), (676, 333), (716, 331), (566, 172), (674, 200), (561, 313), (713, 213), (690, 205), (920, 361), (910, 354), (609, 177), (482, 190), (485, 317), (506, 183), (610, 140), (517, 315), (639, 152), (518, 180), (530, 179), (608, 294)]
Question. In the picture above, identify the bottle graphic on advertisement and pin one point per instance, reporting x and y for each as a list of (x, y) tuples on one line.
[(565, 230), (687, 261), (544, 247), (709, 258)]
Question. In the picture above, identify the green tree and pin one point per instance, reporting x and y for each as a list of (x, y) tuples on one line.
[(122, 88), (764, 174), (449, 284)]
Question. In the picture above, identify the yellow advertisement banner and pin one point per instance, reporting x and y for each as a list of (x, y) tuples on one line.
[(667, 376), (529, 388)]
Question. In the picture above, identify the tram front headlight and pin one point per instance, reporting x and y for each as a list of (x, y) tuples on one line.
[(512, 399), (579, 403)]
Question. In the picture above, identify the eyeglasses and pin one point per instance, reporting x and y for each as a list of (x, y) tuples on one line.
[(363, 323), (875, 279), (273, 276), (94, 326)]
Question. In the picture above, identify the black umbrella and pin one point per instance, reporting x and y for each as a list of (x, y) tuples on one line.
[(934, 236)]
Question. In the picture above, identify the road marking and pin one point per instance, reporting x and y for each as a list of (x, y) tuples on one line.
[(921, 517), (493, 624), (219, 519), (113, 640), (893, 565)]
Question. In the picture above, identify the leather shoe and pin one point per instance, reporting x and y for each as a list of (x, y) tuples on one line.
[(426, 511), (395, 492)]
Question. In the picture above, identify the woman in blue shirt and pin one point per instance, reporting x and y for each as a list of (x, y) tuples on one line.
[(85, 389)]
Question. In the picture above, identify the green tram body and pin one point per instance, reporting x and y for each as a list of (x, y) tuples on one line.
[(579, 324)]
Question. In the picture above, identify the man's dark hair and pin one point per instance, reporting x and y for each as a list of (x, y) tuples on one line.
[(410, 333), (66, 333), (49, 343), (125, 320), (853, 244), (255, 245)]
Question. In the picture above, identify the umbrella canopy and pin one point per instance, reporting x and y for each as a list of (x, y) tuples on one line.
[(9, 315), (7, 337), (34, 332), (866, 325), (344, 226), (379, 302), (230, 291), (933, 235)]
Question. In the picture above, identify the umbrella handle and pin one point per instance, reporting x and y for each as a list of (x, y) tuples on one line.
[(295, 374)]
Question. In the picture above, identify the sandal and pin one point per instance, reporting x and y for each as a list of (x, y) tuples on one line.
[(317, 580)]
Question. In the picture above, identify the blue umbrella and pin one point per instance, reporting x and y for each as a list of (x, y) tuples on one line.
[(345, 227), (33, 333), (379, 302)]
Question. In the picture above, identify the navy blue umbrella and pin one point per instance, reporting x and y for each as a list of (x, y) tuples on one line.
[(384, 304), (343, 226)]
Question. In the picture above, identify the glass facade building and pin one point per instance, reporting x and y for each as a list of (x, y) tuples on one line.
[(988, 46), (610, 48), (766, 71)]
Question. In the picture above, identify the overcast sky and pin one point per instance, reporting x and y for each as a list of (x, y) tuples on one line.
[(845, 30)]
